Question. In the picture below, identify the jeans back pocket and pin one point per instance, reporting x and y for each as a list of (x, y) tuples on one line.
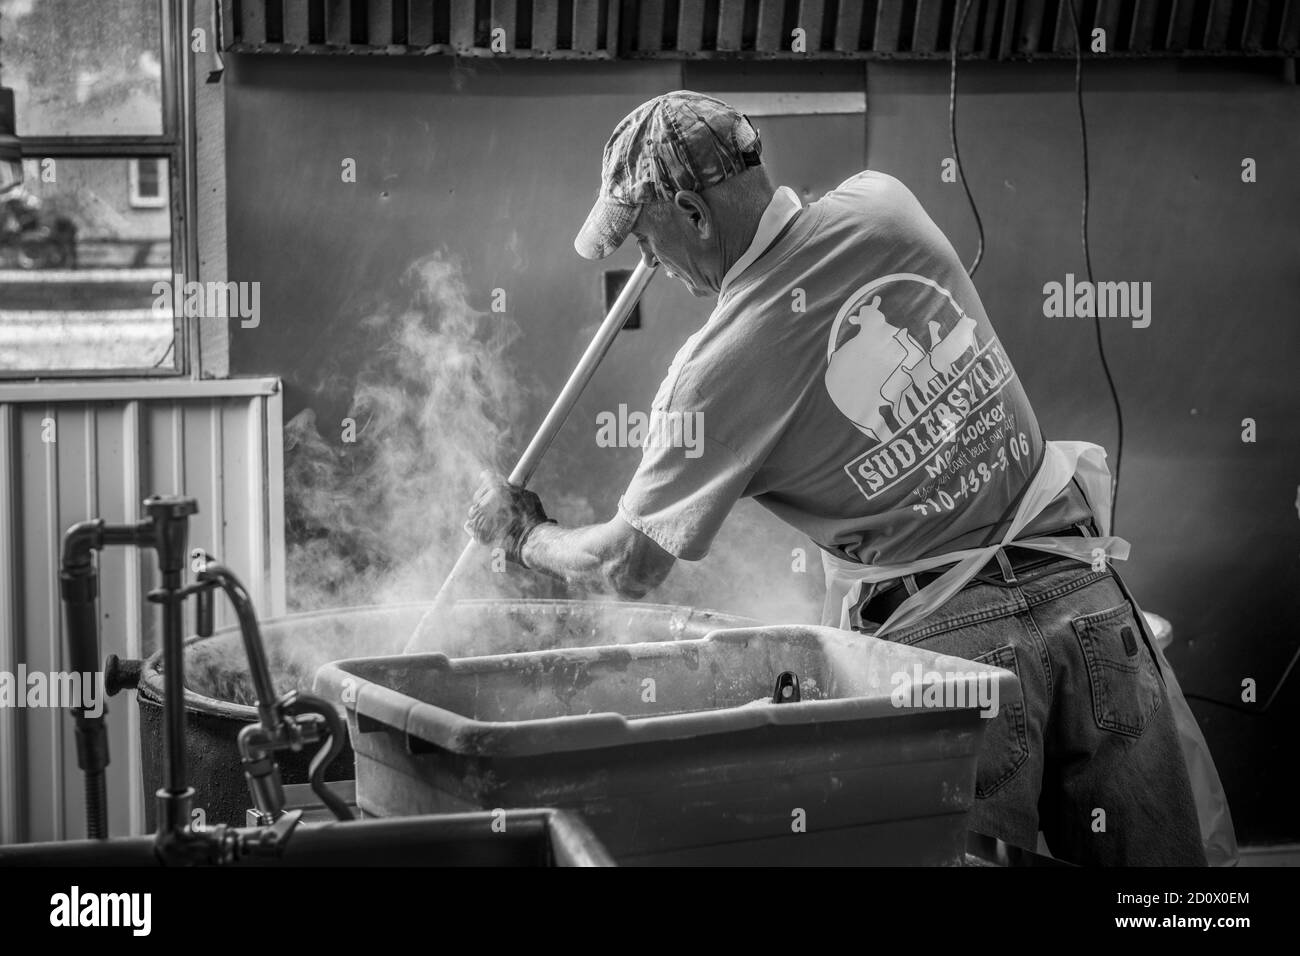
[(1125, 686)]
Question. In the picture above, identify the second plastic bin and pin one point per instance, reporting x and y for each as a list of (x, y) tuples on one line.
[(673, 752)]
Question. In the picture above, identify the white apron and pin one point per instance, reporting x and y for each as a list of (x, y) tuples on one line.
[(1062, 461)]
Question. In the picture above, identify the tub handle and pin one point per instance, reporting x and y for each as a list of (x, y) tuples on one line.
[(787, 688)]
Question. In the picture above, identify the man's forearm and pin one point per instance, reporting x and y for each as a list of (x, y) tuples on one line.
[(604, 557)]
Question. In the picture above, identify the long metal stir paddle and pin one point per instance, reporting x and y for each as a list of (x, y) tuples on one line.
[(426, 631)]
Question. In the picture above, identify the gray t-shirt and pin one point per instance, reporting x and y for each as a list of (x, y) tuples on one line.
[(850, 382)]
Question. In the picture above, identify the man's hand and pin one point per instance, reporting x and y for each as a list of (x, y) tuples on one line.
[(503, 515)]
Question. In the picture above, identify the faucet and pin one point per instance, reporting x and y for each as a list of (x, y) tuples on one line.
[(287, 722)]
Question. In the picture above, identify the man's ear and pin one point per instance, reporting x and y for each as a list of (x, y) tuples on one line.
[(697, 212)]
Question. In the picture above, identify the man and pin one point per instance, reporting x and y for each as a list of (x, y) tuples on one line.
[(849, 380)]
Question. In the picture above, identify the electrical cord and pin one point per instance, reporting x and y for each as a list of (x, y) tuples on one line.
[(1230, 705), (1252, 711), (959, 24), (1087, 261)]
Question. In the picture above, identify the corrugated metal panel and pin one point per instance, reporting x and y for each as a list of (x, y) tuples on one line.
[(586, 26), (731, 25), (690, 27), (1142, 29), (848, 27), (889, 22), (338, 23), (812, 18), (649, 22), (546, 28), (297, 20), (967, 43), (1029, 35), (996, 29), (463, 27), (75, 450), (925, 34), (1180, 22), (1290, 31), (532, 28), (505, 18)]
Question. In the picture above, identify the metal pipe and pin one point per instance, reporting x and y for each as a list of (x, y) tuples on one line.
[(522, 473), (311, 704), (174, 681), (553, 837), (79, 587), (79, 542), (168, 535), (96, 788), (251, 633), (276, 729), (166, 532), (119, 851), (257, 742)]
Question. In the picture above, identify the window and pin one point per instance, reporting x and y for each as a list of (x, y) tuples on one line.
[(98, 220), (147, 179)]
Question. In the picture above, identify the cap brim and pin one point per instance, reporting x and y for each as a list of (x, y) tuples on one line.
[(606, 227)]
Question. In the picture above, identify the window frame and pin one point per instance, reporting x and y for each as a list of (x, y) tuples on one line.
[(175, 144)]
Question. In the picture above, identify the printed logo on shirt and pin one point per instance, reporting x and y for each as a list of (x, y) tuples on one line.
[(910, 389)]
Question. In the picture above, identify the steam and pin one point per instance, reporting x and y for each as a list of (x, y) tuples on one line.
[(375, 504), (380, 519)]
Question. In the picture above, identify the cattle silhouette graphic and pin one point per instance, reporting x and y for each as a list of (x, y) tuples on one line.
[(878, 375)]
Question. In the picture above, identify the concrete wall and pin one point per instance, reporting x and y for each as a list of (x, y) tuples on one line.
[(496, 164)]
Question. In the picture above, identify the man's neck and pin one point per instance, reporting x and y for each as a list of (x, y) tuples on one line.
[(735, 242)]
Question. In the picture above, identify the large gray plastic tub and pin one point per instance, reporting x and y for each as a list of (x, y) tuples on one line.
[(671, 752)]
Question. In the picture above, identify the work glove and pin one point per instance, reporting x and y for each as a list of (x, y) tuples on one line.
[(503, 515)]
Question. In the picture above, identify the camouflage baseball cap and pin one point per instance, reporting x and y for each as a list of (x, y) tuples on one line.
[(680, 140)]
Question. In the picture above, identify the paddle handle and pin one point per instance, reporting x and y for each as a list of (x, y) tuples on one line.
[(564, 403)]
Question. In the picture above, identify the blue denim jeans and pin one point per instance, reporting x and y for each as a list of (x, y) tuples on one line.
[(1090, 755)]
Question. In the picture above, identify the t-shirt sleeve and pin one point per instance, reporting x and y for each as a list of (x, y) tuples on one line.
[(679, 501), (716, 418)]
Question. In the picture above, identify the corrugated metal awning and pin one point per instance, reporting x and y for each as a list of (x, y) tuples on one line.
[(760, 29)]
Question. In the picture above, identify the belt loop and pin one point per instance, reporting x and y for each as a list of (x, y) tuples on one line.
[(909, 582), (1008, 574)]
